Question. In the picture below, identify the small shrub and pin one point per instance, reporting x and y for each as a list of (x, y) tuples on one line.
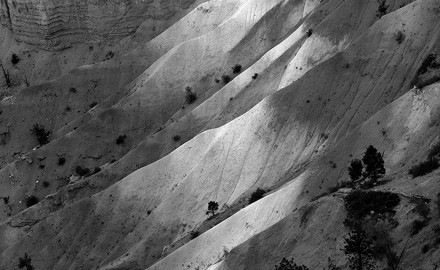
[(61, 161), (72, 90), (255, 76), (6, 200), (109, 55), (226, 79), (31, 200), (176, 138), (382, 8), (194, 234), (309, 33), (290, 265), (418, 225), (236, 68), (190, 97), (421, 207), (429, 62), (424, 167), (121, 139), (45, 184), (426, 248), (68, 109), (15, 59), (212, 208), (93, 104), (256, 195), (400, 37), (25, 262), (96, 170), (41, 134), (82, 171), (149, 212)]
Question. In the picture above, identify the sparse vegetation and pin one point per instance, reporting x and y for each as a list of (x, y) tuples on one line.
[(430, 62), (226, 79), (25, 262), (290, 265), (382, 8), (15, 59), (82, 171), (255, 76), (417, 226), (67, 109), (309, 32), (256, 195), (93, 104), (121, 139), (31, 200), (399, 36), (236, 68), (61, 161), (194, 234), (424, 167), (109, 55), (190, 97), (176, 138), (45, 184), (212, 208), (41, 134), (72, 90)]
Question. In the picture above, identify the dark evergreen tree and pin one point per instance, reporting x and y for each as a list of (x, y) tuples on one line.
[(359, 249), (25, 262), (212, 208), (355, 169), (374, 164)]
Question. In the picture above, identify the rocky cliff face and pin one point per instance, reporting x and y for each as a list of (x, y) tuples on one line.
[(59, 24)]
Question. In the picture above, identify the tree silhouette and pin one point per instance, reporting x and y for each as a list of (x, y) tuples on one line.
[(359, 249), (355, 169), (25, 262), (374, 164), (290, 265), (212, 208)]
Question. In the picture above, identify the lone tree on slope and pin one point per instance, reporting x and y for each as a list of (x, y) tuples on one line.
[(359, 250), (365, 173), (212, 208)]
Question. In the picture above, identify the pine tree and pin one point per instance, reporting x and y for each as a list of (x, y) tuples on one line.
[(359, 249), (355, 169), (290, 265), (374, 164)]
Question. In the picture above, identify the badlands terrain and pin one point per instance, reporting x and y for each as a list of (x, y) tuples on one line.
[(121, 120)]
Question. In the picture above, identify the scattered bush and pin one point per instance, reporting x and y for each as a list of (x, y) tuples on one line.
[(382, 9), (41, 134), (176, 138), (6, 200), (226, 79), (421, 206), (424, 167), (290, 265), (72, 90), (15, 59), (255, 76), (400, 37), (45, 184), (194, 234), (212, 208), (109, 55), (93, 104), (82, 171), (25, 262), (61, 161), (429, 62), (190, 97), (236, 68), (256, 195), (121, 139), (31, 200), (96, 170), (426, 248), (68, 109), (309, 33)]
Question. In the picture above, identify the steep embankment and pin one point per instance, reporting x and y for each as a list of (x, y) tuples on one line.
[(285, 138)]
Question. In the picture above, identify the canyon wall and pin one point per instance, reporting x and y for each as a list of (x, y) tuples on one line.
[(57, 24)]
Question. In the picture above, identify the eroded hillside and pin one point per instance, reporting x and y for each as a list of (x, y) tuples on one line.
[(237, 95)]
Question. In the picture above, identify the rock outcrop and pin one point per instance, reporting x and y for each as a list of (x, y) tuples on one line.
[(59, 24)]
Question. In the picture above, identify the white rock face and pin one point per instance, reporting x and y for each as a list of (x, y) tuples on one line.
[(59, 24)]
